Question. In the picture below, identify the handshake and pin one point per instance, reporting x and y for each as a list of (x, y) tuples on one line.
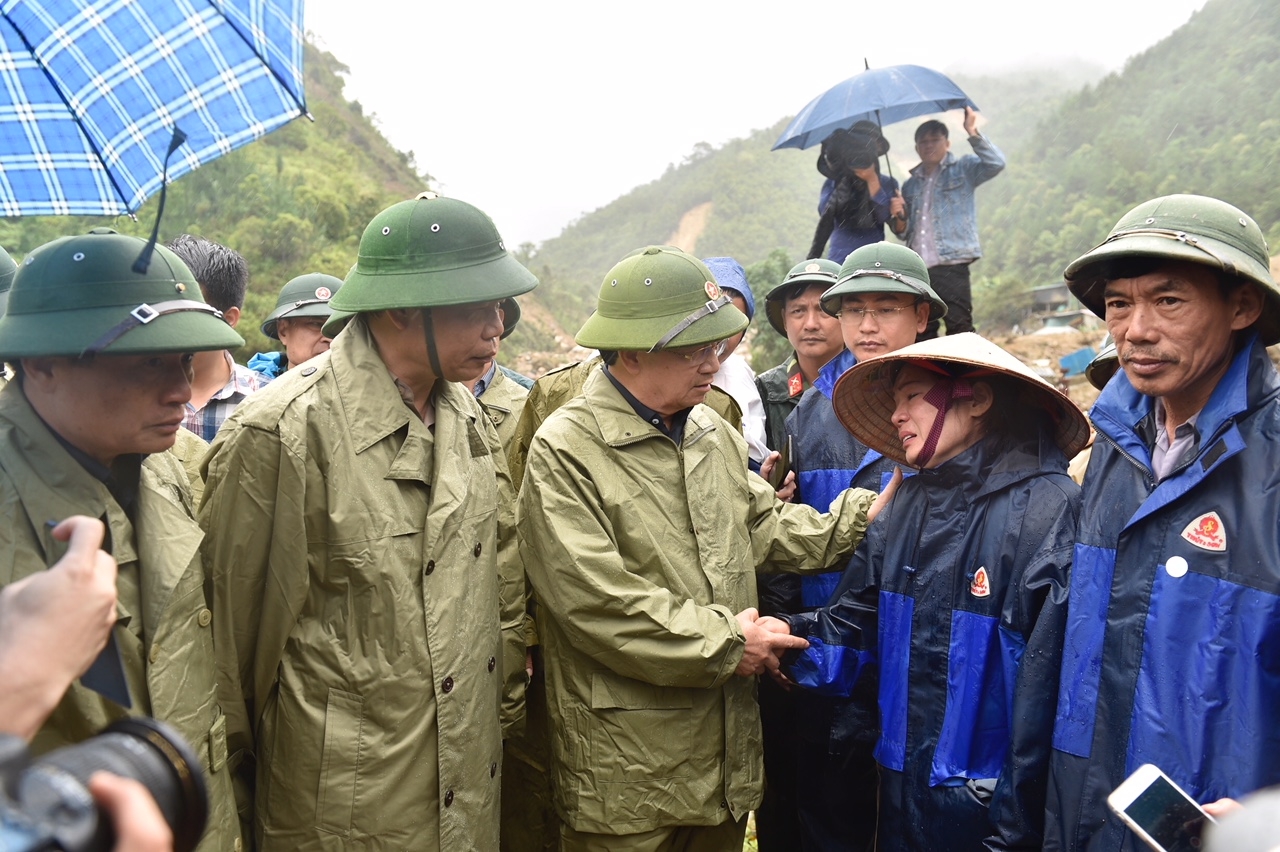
[(768, 638)]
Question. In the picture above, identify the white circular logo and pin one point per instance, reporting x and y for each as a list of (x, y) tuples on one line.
[(1176, 566), (323, 293)]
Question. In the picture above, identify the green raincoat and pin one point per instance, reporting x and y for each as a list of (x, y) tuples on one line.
[(165, 636), (356, 559), (502, 401), (641, 553)]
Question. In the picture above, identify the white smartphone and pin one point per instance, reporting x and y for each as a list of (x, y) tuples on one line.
[(1159, 812)]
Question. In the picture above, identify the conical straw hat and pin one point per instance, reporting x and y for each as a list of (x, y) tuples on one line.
[(863, 397)]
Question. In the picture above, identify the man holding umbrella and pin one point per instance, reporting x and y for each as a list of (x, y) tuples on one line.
[(942, 217)]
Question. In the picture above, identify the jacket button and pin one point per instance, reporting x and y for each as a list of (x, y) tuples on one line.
[(477, 550), (448, 798), (493, 663), (431, 566), (204, 618), (447, 684), (724, 806), (493, 769)]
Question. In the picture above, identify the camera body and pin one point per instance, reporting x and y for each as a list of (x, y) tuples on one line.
[(45, 804)]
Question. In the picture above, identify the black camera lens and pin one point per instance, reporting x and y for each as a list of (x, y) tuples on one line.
[(140, 748)]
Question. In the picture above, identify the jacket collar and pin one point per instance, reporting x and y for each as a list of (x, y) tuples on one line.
[(54, 486), (947, 161), (993, 465), (620, 425), (832, 371)]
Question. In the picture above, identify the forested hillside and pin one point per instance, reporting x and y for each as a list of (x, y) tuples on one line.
[(295, 201), (1199, 112)]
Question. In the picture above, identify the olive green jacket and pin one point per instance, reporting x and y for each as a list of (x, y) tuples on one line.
[(165, 636), (503, 401), (642, 552), (356, 558)]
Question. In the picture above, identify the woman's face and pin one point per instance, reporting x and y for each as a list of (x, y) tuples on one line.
[(914, 418)]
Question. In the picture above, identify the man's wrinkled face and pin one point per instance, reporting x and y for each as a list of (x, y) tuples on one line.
[(812, 332), (671, 380), (303, 338), (466, 338), (875, 323), (1173, 330), (112, 405)]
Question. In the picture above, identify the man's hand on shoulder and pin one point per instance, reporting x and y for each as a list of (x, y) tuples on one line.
[(767, 639)]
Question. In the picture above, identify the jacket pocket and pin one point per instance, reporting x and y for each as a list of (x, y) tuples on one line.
[(340, 761), (640, 732)]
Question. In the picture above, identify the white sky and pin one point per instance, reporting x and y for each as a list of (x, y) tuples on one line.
[(538, 112)]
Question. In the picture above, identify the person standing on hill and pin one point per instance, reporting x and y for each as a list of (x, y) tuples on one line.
[(856, 200), (1172, 637), (942, 216), (219, 383)]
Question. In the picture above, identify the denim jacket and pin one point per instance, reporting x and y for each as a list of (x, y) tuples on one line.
[(954, 212)]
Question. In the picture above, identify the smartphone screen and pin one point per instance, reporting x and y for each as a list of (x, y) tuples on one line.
[(1167, 815)]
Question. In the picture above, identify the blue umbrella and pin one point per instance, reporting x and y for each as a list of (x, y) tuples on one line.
[(95, 93), (882, 95)]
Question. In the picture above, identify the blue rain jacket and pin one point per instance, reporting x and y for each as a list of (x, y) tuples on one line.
[(1173, 639), (958, 597)]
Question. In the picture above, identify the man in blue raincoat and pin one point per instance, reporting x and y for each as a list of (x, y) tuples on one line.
[(1172, 650)]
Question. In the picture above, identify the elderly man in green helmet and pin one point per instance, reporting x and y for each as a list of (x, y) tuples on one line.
[(642, 529), (360, 532), (298, 321), (1172, 636), (102, 358)]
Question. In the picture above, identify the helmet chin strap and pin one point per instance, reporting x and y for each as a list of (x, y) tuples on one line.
[(428, 328), (940, 396)]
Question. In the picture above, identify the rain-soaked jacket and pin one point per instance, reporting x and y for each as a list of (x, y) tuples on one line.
[(165, 636), (641, 552), (502, 400), (1173, 640), (356, 560), (967, 572)]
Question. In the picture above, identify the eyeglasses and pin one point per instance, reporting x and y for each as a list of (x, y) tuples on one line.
[(702, 353), (878, 314)]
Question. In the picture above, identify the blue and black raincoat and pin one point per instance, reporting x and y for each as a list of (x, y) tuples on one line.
[(957, 598), (1173, 640)]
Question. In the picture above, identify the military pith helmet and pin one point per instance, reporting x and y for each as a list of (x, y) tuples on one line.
[(429, 252), (1104, 364), (80, 295), (659, 298), (1190, 228), (884, 268), (7, 270), (305, 296), (801, 277)]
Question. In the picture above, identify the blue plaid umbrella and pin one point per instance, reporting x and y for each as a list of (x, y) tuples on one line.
[(93, 93)]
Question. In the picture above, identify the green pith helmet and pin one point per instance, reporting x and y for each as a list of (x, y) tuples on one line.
[(305, 296), (802, 276), (7, 270), (659, 298), (80, 295), (1190, 228), (429, 252), (1104, 364), (884, 268)]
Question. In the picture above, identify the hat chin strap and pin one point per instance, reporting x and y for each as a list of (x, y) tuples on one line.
[(428, 327), (940, 396)]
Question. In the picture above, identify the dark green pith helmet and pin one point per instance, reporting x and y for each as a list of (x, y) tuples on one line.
[(7, 270), (430, 252), (1189, 228), (884, 268), (659, 298), (801, 277), (305, 296), (1104, 364), (80, 295)]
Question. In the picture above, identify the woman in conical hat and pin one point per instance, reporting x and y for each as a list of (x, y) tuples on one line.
[(958, 594)]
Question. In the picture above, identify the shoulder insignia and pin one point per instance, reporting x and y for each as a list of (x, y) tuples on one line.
[(980, 587), (1207, 533)]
